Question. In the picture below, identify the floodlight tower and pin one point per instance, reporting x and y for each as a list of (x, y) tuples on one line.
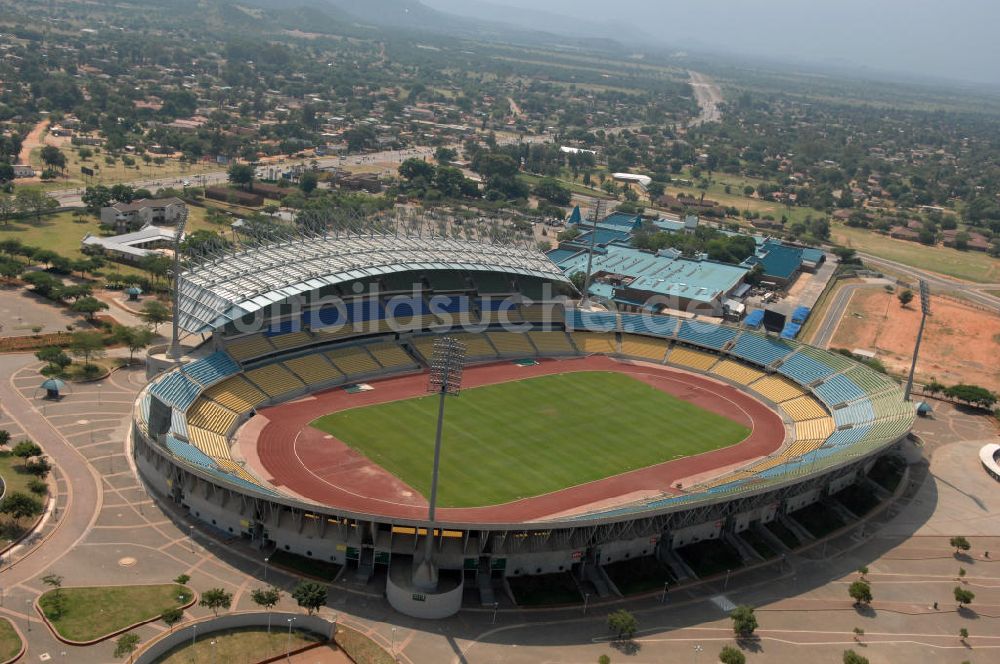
[(175, 352), (447, 364), (925, 311), (590, 253)]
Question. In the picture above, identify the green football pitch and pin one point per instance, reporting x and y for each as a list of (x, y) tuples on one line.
[(528, 437)]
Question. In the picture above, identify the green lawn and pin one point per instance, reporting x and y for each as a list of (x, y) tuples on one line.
[(969, 265), (239, 645), (524, 438), (90, 613), (10, 644), (13, 474)]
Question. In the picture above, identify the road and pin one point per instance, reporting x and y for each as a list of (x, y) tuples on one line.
[(970, 291), (709, 96), (835, 312)]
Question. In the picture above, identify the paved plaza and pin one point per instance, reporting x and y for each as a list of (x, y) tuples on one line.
[(104, 529)]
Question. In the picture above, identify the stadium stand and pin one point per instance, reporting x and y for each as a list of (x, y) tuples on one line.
[(818, 428), (652, 324), (592, 321), (804, 369), (291, 340), (705, 334), (759, 349), (391, 356), (353, 361), (542, 313), (595, 342), (871, 382), (556, 343), (211, 369), (211, 443), (477, 346), (177, 390), (645, 348), (838, 389), (691, 358), (236, 394), (249, 347), (777, 388), (206, 414), (511, 344), (275, 380), (737, 371), (313, 369), (835, 361), (803, 408), (860, 412)]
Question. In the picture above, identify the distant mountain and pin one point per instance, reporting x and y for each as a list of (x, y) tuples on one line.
[(539, 20), (398, 14)]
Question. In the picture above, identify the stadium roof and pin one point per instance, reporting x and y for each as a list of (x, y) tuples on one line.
[(215, 293), (699, 280)]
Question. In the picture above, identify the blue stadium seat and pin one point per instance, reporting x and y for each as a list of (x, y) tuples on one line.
[(660, 326), (178, 424), (838, 389), (210, 370), (859, 412), (189, 453), (176, 389), (709, 335), (804, 369), (592, 321), (760, 349)]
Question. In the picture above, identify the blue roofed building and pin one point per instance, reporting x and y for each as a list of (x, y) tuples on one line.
[(780, 263), (635, 279)]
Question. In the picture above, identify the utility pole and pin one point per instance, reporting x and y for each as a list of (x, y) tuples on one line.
[(925, 311)]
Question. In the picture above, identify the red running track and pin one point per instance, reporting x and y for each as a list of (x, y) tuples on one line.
[(313, 464)]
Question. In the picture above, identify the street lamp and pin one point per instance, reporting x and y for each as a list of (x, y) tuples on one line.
[(191, 531), (663, 597), (392, 650), (586, 602), (447, 363), (213, 651), (265, 568), (288, 642), (496, 605)]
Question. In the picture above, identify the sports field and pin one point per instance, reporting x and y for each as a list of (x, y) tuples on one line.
[(528, 437)]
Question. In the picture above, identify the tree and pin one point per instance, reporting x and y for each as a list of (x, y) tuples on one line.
[(155, 312), (905, 297), (182, 579), (122, 193), (56, 603), (971, 394), (310, 595), (623, 623), (963, 634), (96, 198), (134, 338), (959, 543), (553, 191), (858, 633), (266, 597), (157, 265), (34, 202), (172, 616), (851, 657), (88, 345), (860, 592), (26, 449), (414, 168), (126, 645), (54, 157), (88, 306), (579, 279), (55, 357), (308, 182), (961, 574), (18, 505), (4, 437), (863, 571), (744, 621), (963, 596), (731, 655), (242, 175), (8, 208), (215, 599)]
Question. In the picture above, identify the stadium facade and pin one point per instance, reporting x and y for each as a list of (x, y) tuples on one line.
[(288, 319)]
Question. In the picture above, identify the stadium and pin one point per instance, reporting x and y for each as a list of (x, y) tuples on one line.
[(582, 437)]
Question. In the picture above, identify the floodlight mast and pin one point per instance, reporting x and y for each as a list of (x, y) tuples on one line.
[(447, 364), (925, 311), (590, 252), (175, 352)]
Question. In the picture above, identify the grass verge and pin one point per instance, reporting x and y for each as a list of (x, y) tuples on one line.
[(10, 642), (360, 648), (91, 613), (252, 644)]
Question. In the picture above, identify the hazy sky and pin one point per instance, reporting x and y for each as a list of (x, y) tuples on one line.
[(956, 39)]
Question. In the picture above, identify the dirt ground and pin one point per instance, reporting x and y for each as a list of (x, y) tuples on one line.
[(960, 344)]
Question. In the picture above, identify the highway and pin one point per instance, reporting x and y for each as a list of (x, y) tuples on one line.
[(970, 291)]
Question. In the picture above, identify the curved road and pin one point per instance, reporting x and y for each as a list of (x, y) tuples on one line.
[(970, 291), (82, 483)]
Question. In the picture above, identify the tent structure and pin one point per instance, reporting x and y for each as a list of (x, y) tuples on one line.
[(54, 388)]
